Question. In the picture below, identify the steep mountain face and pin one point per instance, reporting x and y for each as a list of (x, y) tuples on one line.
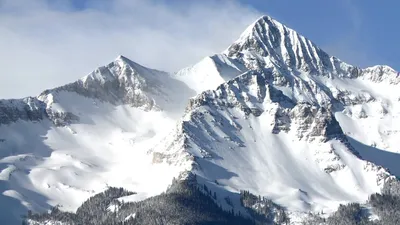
[(273, 115), (247, 135), (299, 127)]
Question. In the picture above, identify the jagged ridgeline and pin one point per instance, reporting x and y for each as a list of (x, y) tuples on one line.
[(271, 131)]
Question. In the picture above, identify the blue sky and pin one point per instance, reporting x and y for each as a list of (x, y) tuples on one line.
[(53, 42), (362, 32)]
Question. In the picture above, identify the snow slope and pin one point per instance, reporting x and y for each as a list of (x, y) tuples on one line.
[(90, 135), (274, 114), (210, 72)]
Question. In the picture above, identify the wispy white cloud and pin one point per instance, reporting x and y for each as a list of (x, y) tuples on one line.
[(350, 47), (44, 44), (354, 14)]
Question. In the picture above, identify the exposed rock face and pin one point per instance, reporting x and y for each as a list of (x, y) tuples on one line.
[(311, 120), (283, 47), (380, 74), (120, 82), (61, 118), (315, 122), (24, 109), (32, 109)]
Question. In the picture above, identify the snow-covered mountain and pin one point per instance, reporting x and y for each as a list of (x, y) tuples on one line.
[(76, 140), (273, 114), (299, 127)]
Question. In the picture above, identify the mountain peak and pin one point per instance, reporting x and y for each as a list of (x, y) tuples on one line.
[(381, 73), (123, 59), (268, 43), (259, 22), (269, 22)]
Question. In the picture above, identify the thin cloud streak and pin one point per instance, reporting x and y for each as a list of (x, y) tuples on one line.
[(350, 47)]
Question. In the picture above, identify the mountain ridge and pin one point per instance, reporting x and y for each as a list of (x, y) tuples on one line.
[(268, 37), (300, 100), (272, 114)]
